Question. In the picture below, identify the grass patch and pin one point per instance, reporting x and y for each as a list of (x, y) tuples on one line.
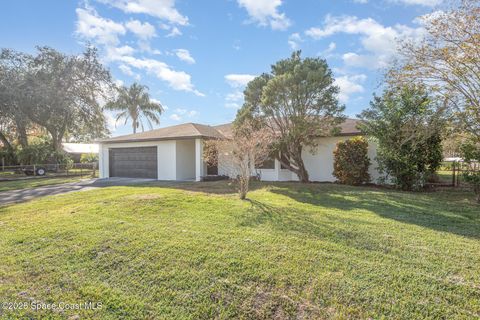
[(37, 182), (194, 251)]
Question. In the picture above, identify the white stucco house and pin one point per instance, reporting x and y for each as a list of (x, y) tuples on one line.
[(175, 153)]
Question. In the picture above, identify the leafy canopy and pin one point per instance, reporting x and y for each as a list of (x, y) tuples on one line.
[(297, 102), (407, 127), (134, 104)]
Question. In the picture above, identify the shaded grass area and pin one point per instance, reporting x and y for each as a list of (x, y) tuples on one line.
[(195, 251), (33, 182)]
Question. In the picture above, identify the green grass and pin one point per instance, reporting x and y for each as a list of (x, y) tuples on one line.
[(291, 252), (37, 182)]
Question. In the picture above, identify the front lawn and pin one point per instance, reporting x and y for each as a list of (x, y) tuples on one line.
[(194, 251)]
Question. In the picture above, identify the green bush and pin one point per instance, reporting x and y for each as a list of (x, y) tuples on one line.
[(40, 151), (471, 156), (351, 161), (407, 126), (89, 158)]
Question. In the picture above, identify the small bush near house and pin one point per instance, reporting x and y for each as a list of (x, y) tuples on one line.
[(351, 161), (89, 158)]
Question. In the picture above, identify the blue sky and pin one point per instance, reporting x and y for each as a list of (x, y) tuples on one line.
[(196, 56)]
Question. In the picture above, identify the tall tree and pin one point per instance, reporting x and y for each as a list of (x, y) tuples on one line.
[(407, 127), (13, 68), (448, 61), (134, 103), (63, 92), (297, 102)]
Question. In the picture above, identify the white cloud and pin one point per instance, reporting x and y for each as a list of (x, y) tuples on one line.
[(163, 9), (426, 3), (91, 26), (238, 80), (144, 31), (331, 46), (184, 55), (349, 84), (175, 117), (234, 96), (114, 53), (128, 71), (174, 31), (327, 53), (180, 113), (294, 41), (234, 100), (158, 101), (265, 12), (360, 1), (356, 60), (177, 80), (378, 40)]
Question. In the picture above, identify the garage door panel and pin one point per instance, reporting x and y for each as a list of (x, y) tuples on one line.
[(136, 162)]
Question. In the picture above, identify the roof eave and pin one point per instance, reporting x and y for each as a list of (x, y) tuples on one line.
[(155, 139)]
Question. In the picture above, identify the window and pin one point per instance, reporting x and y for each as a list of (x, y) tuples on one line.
[(267, 164)]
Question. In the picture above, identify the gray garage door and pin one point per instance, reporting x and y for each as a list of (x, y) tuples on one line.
[(138, 162)]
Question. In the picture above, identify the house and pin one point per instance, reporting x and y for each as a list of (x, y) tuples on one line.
[(75, 150), (176, 153)]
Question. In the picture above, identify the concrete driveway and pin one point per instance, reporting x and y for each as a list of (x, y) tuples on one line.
[(22, 195)]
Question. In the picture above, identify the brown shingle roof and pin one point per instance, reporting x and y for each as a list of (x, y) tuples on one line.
[(195, 130), (181, 131), (347, 128)]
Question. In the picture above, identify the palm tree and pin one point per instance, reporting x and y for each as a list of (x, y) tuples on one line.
[(134, 103)]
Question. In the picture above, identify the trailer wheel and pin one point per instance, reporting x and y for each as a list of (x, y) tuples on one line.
[(41, 171)]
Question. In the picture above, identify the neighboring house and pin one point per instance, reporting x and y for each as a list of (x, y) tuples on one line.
[(176, 153), (75, 150)]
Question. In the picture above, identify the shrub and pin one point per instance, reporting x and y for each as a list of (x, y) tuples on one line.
[(407, 126), (88, 158), (351, 161), (471, 156), (40, 151)]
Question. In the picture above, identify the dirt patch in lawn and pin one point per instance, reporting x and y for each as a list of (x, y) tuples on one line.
[(144, 196)]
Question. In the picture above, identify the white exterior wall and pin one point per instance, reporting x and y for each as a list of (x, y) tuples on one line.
[(372, 154), (319, 164), (167, 160), (166, 157), (185, 159)]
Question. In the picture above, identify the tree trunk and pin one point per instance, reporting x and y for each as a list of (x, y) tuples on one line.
[(301, 172), (22, 134), (243, 187), (134, 125), (5, 142), (56, 139)]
